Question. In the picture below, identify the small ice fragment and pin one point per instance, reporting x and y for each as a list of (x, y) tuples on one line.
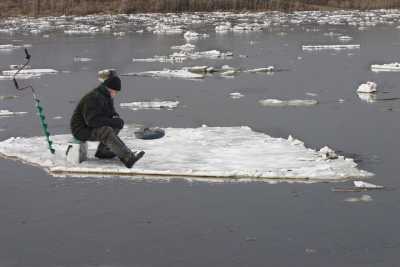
[(368, 87), (192, 36), (82, 59), (236, 95), (7, 113), (264, 69), (311, 94), (345, 38), (328, 153), (386, 67), (30, 72), (169, 105), (329, 47), (361, 184), (282, 103), (119, 34), (57, 117)]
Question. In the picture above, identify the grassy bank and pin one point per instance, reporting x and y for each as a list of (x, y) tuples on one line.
[(83, 7)]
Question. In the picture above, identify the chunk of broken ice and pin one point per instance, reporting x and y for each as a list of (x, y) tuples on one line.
[(236, 95), (82, 59), (386, 67), (30, 72), (282, 103), (362, 184), (327, 47), (363, 198), (193, 36), (167, 73), (264, 69), (368, 87), (151, 105), (7, 113)]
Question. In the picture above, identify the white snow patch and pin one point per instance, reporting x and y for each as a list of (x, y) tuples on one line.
[(169, 105), (215, 152), (282, 103)]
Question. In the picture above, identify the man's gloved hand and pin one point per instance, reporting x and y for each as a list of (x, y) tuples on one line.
[(117, 123)]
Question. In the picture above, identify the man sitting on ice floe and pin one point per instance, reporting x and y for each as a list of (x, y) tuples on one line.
[(95, 119)]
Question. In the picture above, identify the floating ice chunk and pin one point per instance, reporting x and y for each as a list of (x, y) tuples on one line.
[(223, 28), (167, 73), (200, 69), (169, 105), (363, 198), (361, 184), (345, 38), (265, 69), (211, 54), (7, 113), (330, 47), (368, 87), (57, 117), (186, 47), (328, 153), (370, 98), (82, 59), (193, 36), (20, 76), (282, 103), (245, 27), (386, 67), (30, 72), (229, 153), (236, 95)]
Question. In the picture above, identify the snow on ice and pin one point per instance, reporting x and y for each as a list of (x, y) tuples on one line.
[(283, 103), (213, 152)]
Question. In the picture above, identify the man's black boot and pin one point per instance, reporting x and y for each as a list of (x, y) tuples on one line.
[(103, 152), (131, 158)]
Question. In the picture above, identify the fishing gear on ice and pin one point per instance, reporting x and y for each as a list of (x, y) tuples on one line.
[(38, 106)]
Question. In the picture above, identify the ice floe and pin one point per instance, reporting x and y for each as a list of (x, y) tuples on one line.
[(368, 87), (194, 36), (330, 47), (20, 76), (213, 152), (82, 59), (167, 73), (169, 105), (30, 72), (187, 54), (365, 185), (386, 67), (264, 69), (283, 103), (7, 113), (236, 95)]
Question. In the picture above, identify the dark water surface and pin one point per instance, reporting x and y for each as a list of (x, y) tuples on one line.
[(47, 221)]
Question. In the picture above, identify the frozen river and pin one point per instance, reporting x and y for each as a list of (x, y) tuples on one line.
[(49, 221)]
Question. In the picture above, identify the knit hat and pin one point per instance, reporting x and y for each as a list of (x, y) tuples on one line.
[(113, 83)]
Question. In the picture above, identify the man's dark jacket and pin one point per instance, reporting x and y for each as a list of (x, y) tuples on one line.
[(95, 109)]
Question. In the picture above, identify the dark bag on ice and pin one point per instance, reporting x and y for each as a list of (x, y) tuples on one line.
[(149, 133)]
